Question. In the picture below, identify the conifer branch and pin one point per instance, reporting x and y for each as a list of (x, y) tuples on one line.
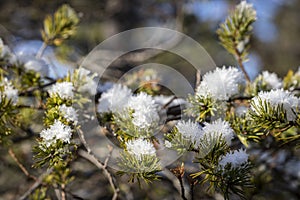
[(235, 33)]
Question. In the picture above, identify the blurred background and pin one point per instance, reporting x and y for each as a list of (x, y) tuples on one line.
[(275, 45)]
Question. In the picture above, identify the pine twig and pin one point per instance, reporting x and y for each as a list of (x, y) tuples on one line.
[(30, 90), (41, 50), (24, 170), (62, 192), (192, 183), (240, 62), (37, 183), (198, 79), (30, 107), (110, 148), (169, 102), (179, 173), (89, 155), (182, 188), (192, 191)]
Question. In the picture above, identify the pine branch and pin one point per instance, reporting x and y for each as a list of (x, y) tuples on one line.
[(235, 33), (59, 27)]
